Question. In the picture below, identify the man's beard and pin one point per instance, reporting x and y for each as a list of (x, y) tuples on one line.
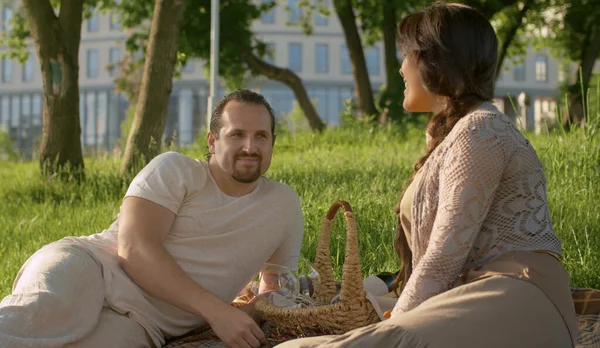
[(247, 176)]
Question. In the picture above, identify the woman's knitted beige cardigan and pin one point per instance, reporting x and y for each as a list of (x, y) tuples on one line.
[(482, 193)]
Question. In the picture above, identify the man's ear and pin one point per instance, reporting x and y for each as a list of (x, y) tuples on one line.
[(210, 139)]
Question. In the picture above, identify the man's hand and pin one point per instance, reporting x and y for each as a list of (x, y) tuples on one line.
[(235, 327), (250, 307)]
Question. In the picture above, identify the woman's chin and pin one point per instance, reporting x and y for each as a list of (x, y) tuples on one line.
[(411, 107)]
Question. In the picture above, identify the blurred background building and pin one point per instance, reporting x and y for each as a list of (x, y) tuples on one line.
[(321, 60)]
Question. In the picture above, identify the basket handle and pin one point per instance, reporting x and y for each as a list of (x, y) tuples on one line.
[(352, 286)]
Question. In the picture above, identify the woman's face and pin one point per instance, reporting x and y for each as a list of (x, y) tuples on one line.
[(416, 97)]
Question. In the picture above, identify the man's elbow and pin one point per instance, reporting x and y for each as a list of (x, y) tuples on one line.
[(127, 255)]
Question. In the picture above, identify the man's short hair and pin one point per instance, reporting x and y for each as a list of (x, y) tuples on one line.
[(243, 96)]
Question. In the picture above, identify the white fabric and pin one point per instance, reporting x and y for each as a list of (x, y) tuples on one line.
[(57, 301), (375, 291)]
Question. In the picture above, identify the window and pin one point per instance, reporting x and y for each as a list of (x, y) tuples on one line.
[(295, 57), (6, 70), (101, 117), (115, 24), (541, 68), (186, 116), (321, 58), (563, 72), (268, 17), (92, 63), (319, 18), (5, 111), (345, 60), (26, 108), (90, 127), (93, 24), (295, 11), (114, 57), (115, 20), (27, 73), (333, 107), (139, 54), (15, 118), (36, 109), (6, 16), (520, 72), (189, 66), (269, 56), (372, 60)]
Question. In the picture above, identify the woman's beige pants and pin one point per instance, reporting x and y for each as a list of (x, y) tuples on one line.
[(496, 312)]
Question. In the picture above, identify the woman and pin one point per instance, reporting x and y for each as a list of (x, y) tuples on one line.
[(480, 256)]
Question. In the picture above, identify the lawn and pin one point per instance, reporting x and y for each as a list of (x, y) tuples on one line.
[(367, 167)]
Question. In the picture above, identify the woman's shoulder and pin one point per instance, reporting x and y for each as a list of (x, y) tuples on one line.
[(486, 115), (486, 125)]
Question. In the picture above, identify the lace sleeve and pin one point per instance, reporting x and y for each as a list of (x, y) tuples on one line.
[(469, 176)]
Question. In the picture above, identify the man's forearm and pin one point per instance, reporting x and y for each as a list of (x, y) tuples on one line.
[(156, 272)]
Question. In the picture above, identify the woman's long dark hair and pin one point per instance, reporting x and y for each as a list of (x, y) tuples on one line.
[(456, 51)]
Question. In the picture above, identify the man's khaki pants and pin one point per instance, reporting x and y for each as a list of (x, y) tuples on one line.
[(58, 301)]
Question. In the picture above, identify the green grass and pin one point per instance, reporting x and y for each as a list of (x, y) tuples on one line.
[(367, 167)]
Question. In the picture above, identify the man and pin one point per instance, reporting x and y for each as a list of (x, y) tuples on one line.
[(190, 235)]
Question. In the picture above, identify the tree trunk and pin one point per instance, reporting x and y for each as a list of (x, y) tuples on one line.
[(589, 54), (290, 79), (145, 136), (362, 83), (392, 100), (510, 36), (57, 44), (392, 65)]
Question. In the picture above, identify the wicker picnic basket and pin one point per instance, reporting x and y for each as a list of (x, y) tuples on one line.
[(353, 310)]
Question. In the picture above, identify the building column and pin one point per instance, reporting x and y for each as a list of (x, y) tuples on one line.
[(114, 123), (202, 107), (186, 121), (531, 113)]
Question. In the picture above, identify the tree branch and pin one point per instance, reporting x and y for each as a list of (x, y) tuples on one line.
[(289, 78), (510, 36)]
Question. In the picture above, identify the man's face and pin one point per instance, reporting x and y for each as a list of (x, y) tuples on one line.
[(244, 145)]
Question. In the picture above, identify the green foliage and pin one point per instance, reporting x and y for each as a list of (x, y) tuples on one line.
[(503, 22), (568, 23), (15, 38), (593, 102), (236, 17), (7, 146), (293, 121), (126, 127)]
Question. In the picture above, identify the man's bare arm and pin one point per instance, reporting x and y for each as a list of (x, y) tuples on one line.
[(143, 228)]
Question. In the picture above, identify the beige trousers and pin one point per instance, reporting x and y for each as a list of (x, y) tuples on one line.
[(496, 312), (58, 301)]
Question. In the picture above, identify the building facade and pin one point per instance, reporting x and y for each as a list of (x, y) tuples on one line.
[(321, 60)]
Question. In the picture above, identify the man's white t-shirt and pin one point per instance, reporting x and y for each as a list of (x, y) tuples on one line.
[(221, 242)]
